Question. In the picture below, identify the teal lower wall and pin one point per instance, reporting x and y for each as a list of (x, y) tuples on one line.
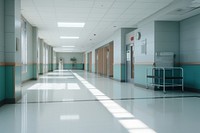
[(119, 72), (54, 66), (50, 67), (2, 83), (140, 73), (10, 82), (75, 66), (87, 67), (93, 68), (41, 69), (123, 72), (29, 74), (35, 71), (191, 76), (18, 80)]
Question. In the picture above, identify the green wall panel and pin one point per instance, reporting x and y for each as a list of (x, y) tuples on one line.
[(93, 68), (123, 72), (140, 73), (18, 90), (120, 72), (29, 74), (76, 66), (2, 83), (9, 81), (117, 71), (49, 67), (191, 76), (41, 69), (35, 71)]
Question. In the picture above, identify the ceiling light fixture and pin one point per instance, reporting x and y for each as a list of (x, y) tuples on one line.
[(65, 24), (64, 51), (69, 37), (68, 46)]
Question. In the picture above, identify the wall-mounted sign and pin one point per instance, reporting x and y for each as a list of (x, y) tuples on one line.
[(128, 55), (132, 38), (144, 46)]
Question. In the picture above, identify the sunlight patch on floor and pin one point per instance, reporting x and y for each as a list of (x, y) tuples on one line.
[(125, 118)]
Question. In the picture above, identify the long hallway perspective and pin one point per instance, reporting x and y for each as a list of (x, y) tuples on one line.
[(66, 101)]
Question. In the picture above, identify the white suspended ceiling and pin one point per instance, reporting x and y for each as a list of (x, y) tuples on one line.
[(101, 17)]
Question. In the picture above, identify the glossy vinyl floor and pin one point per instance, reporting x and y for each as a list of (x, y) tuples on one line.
[(81, 102)]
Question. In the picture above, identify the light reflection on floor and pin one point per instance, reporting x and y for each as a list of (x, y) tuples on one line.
[(55, 86), (88, 103), (126, 119)]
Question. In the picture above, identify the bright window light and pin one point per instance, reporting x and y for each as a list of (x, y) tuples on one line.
[(68, 46), (69, 37), (64, 24), (65, 51)]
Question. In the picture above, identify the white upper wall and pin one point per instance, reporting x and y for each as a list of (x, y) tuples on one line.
[(116, 38), (190, 40), (1, 31), (147, 34)]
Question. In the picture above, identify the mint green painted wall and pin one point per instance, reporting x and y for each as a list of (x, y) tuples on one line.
[(190, 51), (117, 71), (49, 67), (140, 73), (191, 76), (167, 38), (18, 81), (29, 74), (54, 66), (93, 68), (9, 81), (2, 83), (35, 70), (41, 68), (123, 72), (2, 68), (76, 66)]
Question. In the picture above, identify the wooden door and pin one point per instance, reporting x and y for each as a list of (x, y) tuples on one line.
[(90, 62), (111, 59)]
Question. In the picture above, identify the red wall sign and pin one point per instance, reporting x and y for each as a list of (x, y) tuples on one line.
[(132, 38)]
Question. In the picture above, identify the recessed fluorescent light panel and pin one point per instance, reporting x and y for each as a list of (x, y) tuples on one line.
[(69, 37), (68, 46), (73, 25)]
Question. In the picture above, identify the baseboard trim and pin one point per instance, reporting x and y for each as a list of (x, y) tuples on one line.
[(192, 89), (28, 80), (10, 101), (118, 80), (2, 102), (143, 86), (175, 88)]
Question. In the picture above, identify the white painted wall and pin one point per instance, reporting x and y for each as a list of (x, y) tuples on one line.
[(190, 40), (167, 37), (116, 38), (1, 31), (147, 32)]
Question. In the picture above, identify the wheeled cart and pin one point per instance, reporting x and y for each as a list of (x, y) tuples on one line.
[(163, 77)]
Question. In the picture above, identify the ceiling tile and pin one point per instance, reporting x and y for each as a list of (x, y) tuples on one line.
[(99, 15)]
